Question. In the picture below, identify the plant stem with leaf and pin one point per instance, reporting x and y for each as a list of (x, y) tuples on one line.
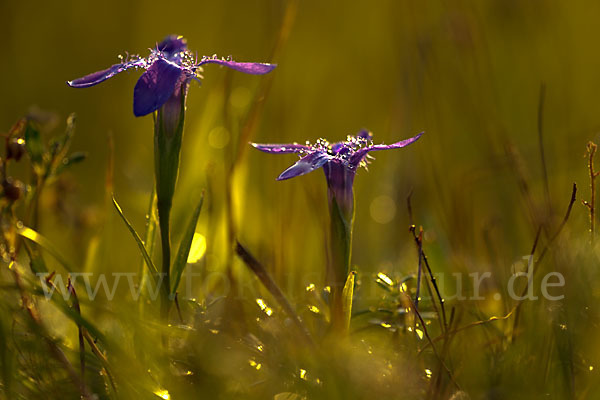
[(168, 134)]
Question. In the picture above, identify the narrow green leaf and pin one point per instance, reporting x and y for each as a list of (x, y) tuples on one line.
[(60, 144), (135, 235), (347, 295), (59, 148), (45, 244), (184, 247), (33, 144), (149, 240), (73, 315), (36, 261), (261, 273), (73, 158)]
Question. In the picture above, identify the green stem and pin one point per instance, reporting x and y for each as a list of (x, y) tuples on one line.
[(341, 224), (164, 212), (168, 134)]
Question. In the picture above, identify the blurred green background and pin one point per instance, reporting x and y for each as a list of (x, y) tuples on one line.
[(468, 73)]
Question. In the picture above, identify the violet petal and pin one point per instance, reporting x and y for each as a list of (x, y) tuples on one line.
[(365, 134), (155, 86), (361, 153), (101, 76), (281, 148), (305, 165), (248, 68), (172, 44)]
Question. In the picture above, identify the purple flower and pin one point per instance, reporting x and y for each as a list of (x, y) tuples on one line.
[(339, 161), (168, 70)]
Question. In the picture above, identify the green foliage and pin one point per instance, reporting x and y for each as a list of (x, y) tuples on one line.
[(495, 167), (185, 245)]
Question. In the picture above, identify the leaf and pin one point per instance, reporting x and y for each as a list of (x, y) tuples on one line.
[(45, 244), (261, 273), (61, 143), (347, 295), (59, 148), (139, 242), (149, 240), (184, 247), (33, 144), (74, 158), (73, 315)]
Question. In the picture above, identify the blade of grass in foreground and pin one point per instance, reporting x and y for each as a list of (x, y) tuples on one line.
[(184, 247), (347, 295), (262, 274), (45, 244), (137, 238), (149, 240)]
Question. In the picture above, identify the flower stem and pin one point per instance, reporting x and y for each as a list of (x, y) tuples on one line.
[(341, 224), (164, 212), (168, 134)]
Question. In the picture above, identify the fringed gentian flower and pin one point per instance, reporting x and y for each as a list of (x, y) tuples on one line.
[(169, 69), (163, 86), (340, 162)]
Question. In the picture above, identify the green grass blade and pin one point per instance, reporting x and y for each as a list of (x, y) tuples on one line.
[(184, 247), (45, 244), (139, 242), (150, 238), (261, 273), (347, 295)]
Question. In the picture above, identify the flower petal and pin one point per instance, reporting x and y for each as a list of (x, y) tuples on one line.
[(248, 68), (155, 86), (101, 76), (281, 148), (172, 44), (365, 134), (305, 165), (396, 145), (361, 153)]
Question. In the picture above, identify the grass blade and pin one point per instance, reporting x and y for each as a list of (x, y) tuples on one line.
[(45, 244), (139, 242), (347, 295), (149, 240), (262, 274), (184, 247)]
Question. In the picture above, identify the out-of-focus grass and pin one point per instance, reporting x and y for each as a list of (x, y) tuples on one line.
[(468, 73)]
